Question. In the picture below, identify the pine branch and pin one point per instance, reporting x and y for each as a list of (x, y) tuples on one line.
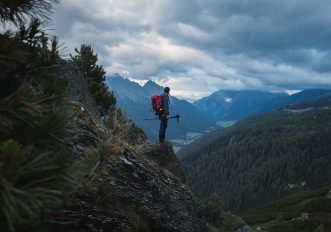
[(17, 11)]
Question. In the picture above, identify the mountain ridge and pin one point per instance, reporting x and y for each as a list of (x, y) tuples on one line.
[(234, 105)]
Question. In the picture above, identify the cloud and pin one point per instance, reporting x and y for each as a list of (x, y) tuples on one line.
[(200, 46)]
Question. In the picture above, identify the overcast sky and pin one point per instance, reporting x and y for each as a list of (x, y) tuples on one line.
[(199, 46)]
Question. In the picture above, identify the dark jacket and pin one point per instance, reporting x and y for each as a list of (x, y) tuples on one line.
[(165, 104)]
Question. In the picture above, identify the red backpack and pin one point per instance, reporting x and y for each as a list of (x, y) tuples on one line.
[(156, 104)]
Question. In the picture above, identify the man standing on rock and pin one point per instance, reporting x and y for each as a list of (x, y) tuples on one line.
[(164, 115)]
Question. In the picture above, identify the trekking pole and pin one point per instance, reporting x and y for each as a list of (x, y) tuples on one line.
[(150, 119), (176, 116)]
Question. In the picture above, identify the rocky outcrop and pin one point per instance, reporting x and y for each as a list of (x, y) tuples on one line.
[(132, 194), (163, 155), (91, 125), (78, 88)]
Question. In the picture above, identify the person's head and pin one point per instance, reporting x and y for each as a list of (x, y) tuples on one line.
[(166, 90)]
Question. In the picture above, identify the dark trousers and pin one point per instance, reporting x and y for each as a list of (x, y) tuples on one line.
[(163, 127)]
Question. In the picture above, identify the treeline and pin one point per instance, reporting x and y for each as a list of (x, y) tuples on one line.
[(49, 144), (261, 158)]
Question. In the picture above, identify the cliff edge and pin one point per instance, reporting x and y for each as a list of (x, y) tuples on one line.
[(135, 191)]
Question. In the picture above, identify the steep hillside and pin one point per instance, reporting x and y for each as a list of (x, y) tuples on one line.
[(61, 169), (226, 105), (129, 192), (135, 101), (262, 157)]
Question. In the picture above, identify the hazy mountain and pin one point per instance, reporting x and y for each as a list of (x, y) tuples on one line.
[(235, 105), (307, 95), (263, 157), (135, 100), (225, 105), (151, 88)]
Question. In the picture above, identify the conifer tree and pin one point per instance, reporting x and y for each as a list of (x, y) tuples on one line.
[(214, 210), (18, 11), (37, 130), (86, 61)]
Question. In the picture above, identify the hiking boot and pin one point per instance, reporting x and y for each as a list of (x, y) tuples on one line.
[(162, 141)]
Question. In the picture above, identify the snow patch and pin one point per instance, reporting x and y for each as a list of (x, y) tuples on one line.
[(228, 100), (225, 123), (292, 91)]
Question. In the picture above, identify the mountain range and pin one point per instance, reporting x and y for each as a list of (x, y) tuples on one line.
[(135, 100), (224, 105), (221, 108)]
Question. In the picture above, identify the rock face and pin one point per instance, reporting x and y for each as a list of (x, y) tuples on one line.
[(163, 155), (132, 194), (78, 88)]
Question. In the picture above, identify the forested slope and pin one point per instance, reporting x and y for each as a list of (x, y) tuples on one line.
[(303, 211), (263, 157)]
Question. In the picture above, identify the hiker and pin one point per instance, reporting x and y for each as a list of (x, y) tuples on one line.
[(164, 114)]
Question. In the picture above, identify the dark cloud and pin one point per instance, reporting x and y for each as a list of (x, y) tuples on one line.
[(205, 45)]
